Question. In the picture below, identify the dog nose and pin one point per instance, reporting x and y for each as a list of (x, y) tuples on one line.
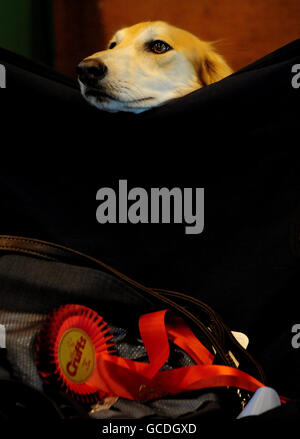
[(91, 70)]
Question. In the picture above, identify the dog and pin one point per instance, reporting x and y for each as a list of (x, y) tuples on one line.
[(147, 65)]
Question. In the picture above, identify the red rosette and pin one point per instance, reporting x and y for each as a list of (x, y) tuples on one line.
[(67, 347)]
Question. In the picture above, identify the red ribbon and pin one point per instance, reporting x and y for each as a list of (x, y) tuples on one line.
[(143, 381)]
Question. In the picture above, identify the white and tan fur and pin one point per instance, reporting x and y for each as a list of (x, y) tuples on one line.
[(137, 79)]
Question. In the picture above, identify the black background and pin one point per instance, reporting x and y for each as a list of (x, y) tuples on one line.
[(238, 139)]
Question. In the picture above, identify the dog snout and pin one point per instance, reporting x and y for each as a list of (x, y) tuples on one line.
[(91, 70)]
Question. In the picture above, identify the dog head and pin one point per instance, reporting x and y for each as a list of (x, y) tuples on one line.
[(147, 65)]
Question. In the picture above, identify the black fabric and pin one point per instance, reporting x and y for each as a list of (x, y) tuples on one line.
[(237, 138), (31, 285)]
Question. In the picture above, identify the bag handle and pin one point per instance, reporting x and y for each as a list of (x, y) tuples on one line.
[(59, 253)]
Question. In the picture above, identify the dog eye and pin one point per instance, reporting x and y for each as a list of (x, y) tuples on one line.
[(159, 47), (112, 45)]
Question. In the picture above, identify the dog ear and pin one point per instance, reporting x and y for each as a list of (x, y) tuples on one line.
[(213, 67)]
